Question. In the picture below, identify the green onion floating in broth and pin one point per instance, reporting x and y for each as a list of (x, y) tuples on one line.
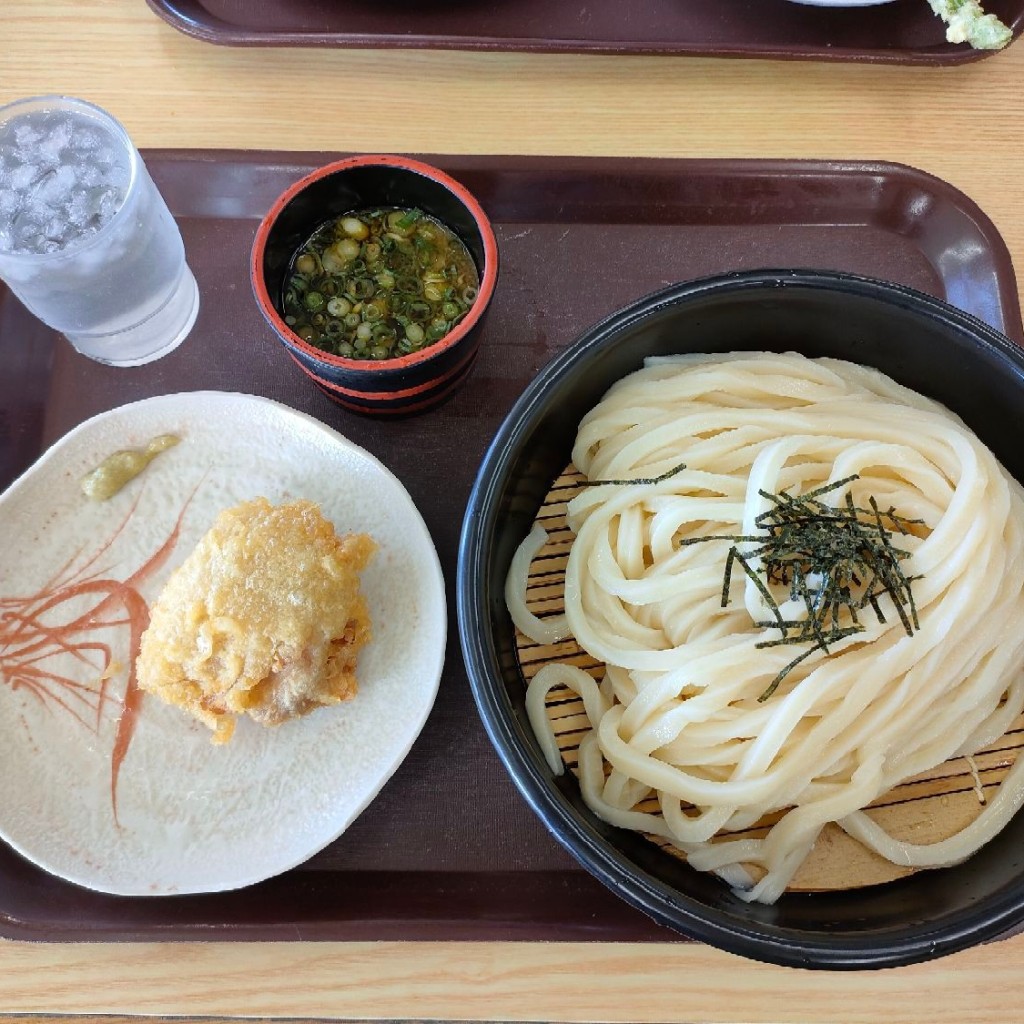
[(379, 283)]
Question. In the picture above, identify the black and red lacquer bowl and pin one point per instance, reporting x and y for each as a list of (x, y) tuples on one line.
[(404, 384)]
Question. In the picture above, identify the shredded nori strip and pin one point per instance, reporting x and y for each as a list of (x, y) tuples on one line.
[(649, 480), (847, 548)]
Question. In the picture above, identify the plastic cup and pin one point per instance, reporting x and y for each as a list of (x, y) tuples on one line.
[(92, 250)]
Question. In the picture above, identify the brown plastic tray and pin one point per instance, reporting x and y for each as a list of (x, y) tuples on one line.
[(449, 850), (904, 32)]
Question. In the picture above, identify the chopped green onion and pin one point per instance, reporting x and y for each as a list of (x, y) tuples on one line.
[(397, 273)]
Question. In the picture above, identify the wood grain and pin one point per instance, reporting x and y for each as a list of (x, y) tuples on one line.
[(500, 981), (963, 124)]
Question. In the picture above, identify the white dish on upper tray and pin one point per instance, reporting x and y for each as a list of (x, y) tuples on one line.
[(191, 816), (841, 3)]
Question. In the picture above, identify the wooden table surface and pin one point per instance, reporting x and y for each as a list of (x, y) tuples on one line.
[(963, 124)]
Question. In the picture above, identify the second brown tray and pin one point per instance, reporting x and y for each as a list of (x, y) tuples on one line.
[(905, 32), (449, 850)]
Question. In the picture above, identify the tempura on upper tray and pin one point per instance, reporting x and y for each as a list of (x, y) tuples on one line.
[(967, 22)]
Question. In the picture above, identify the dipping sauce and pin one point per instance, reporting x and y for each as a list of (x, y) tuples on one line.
[(122, 467), (379, 283)]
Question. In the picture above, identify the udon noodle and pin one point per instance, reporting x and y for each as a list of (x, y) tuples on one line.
[(692, 448)]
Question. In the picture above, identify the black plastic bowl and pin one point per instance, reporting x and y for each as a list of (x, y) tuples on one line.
[(922, 343)]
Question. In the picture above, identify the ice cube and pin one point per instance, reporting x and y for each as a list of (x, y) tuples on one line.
[(26, 135), (23, 176), (106, 157), (28, 236), (30, 222), (61, 184), (80, 208), (46, 189), (108, 204), (119, 177), (53, 144), (89, 176), (59, 232), (88, 138)]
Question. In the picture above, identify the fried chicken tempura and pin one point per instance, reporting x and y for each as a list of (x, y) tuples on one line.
[(264, 618)]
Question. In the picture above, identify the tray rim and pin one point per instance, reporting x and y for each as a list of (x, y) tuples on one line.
[(48, 927), (733, 167), (187, 17)]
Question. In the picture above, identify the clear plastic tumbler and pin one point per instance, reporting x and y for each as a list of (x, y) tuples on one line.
[(86, 240)]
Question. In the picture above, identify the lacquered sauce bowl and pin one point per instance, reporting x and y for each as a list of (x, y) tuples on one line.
[(402, 384)]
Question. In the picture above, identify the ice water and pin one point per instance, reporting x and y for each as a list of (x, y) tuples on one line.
[(62, 177), (86, 240)]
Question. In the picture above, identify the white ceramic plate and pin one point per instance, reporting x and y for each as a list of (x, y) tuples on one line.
[(841, 3), (191, 816)]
